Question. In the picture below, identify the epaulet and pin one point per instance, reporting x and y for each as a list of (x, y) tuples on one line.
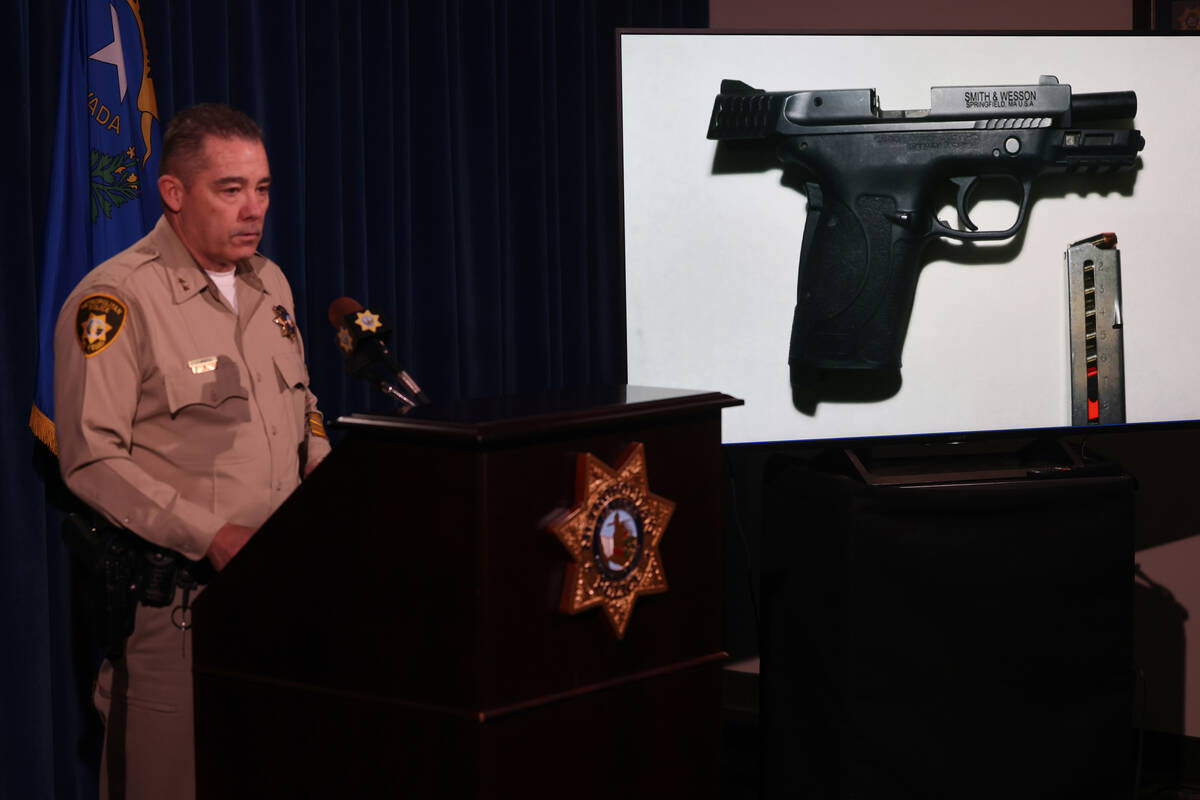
[(120, 267)]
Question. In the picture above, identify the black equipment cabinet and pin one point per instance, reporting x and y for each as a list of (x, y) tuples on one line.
[(956, 639)]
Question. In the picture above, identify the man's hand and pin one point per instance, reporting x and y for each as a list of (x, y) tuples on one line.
[(226, 544)]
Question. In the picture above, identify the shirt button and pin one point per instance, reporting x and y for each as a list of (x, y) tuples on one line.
[(274, 431), (258, 377)]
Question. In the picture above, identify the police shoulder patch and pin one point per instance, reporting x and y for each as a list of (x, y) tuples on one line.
[(98, 321)]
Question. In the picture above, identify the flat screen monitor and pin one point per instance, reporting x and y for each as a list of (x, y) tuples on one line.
[(712, 239)]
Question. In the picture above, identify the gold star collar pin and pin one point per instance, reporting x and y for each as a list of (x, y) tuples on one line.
[(613, 534)]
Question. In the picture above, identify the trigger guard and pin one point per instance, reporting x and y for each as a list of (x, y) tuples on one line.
[(964, 191), (965, 185)]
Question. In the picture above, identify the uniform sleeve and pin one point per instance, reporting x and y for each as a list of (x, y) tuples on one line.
[(98, 357), (316, 440)]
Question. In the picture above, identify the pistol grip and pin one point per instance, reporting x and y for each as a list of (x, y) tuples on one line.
[(858, 276)]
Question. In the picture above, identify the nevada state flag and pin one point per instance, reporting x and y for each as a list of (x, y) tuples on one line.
[(104, 178)]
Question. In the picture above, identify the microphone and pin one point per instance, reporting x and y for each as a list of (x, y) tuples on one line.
[(359, 334)]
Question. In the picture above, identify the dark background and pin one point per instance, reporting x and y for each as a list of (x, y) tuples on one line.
[(452, 164), (455, 165)]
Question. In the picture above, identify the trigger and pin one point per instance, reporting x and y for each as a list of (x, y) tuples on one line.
[(964, 191)]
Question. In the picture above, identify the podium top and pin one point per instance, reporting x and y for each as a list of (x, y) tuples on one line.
[(504, 419)]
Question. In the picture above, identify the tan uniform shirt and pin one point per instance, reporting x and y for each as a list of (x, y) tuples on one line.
[(174, 414)]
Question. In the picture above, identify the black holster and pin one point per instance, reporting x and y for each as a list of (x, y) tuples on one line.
[(122, 569)]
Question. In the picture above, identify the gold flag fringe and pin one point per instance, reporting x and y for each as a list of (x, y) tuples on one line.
[(43, 428)]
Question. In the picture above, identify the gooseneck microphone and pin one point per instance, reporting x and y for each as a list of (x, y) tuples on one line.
[(360, 335)]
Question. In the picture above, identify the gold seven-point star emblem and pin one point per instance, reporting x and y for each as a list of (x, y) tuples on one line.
[(367, 321), (96, 328), (613, 534)]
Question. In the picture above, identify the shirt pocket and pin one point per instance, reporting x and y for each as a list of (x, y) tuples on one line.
[(293, 381), (291, 371), (220, 392), (208, 424)]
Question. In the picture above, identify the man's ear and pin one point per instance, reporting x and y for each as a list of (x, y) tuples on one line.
[(170, 189)]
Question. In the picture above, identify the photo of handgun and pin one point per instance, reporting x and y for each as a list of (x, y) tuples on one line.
[(872, 206)]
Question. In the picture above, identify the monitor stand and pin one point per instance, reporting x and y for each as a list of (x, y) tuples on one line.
[(972, 460)]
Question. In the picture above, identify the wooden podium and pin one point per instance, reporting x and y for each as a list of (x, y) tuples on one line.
[(393, 630)]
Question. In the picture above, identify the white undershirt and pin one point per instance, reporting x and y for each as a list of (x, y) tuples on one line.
[(227, 283)]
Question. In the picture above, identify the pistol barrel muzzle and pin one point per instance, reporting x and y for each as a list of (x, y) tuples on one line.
[(1103, 106)]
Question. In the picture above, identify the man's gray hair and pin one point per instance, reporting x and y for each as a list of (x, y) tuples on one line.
[(183, 142)]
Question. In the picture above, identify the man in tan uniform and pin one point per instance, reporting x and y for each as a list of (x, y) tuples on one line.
[(183, 414)]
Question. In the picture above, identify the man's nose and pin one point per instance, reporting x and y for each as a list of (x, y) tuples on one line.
[(254, 206)]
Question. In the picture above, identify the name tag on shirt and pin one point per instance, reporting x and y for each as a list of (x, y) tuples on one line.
[(199, 366)]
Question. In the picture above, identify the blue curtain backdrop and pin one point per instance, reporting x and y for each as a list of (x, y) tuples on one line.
[(452, 164)]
